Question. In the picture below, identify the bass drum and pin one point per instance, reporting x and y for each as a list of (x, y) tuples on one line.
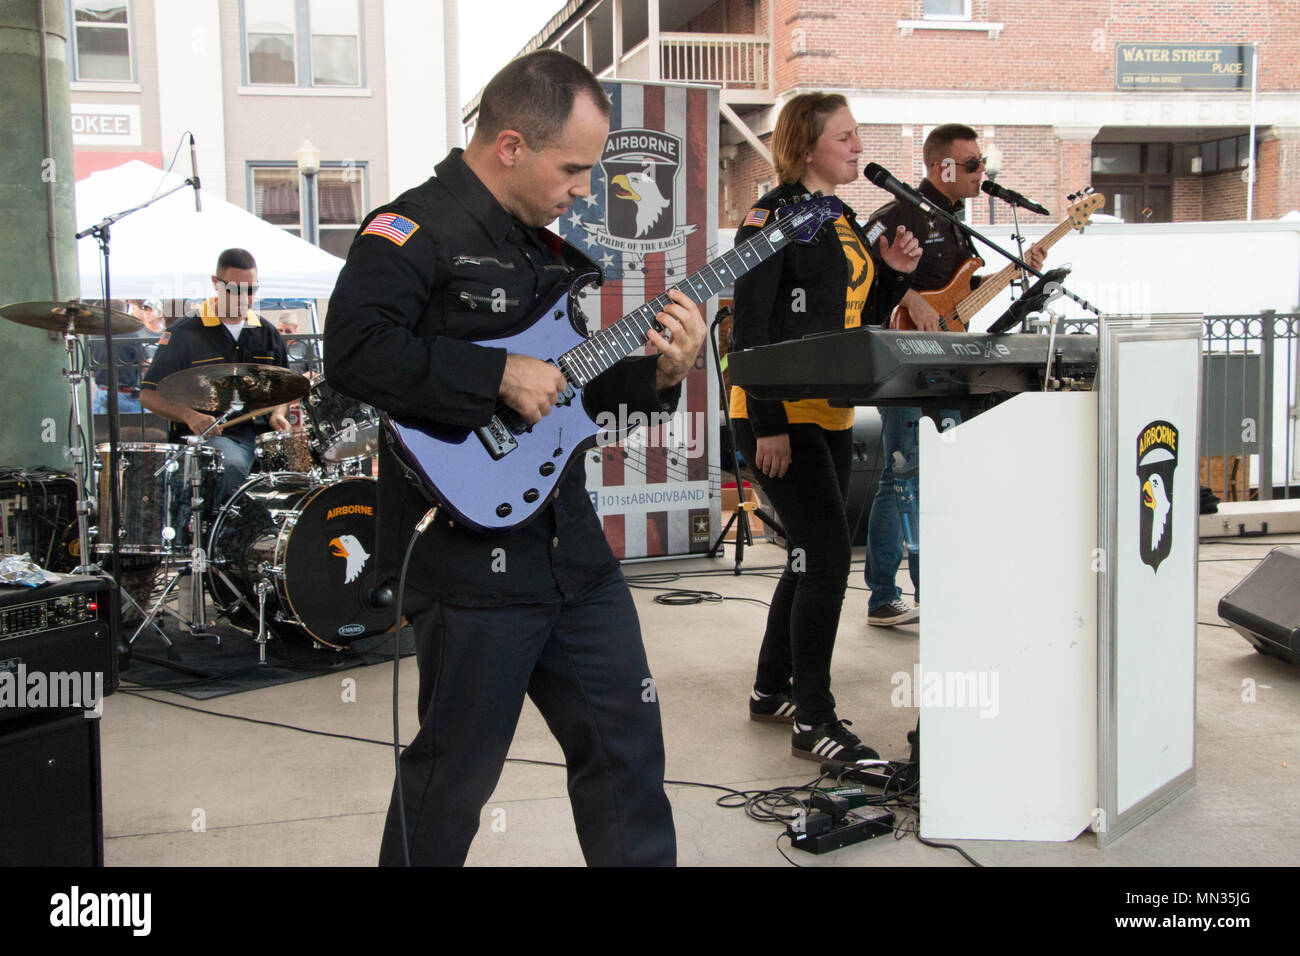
[(313, 543)]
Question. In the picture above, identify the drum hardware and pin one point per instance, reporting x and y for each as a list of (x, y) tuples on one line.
[(263, 585)]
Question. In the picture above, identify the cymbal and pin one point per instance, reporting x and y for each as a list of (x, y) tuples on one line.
[(87, 317), (213, 388)]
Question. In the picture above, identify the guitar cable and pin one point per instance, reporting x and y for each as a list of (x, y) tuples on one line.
[(420, 528)]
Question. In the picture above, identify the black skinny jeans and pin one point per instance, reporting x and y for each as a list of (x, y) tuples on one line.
[(805, 612)]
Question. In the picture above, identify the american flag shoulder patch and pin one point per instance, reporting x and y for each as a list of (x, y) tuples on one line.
[(756, 217), (165, 338), (392, 227)]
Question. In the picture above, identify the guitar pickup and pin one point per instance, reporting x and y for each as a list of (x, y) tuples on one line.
[(496, 438)]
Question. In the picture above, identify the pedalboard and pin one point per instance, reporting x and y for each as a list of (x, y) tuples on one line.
[(821, 831)]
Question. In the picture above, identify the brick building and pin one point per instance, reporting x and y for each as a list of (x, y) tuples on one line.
[(1036, 80)]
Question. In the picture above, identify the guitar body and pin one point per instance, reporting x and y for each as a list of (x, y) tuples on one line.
[(491, 493), (943, 300)]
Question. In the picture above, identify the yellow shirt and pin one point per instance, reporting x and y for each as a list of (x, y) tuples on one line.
[(817, 411)]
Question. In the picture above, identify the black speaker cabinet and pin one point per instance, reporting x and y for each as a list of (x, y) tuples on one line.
[(1265, 607), (51, 812)]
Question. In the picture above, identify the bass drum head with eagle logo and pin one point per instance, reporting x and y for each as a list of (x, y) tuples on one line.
[(315, 542), (327, 551)]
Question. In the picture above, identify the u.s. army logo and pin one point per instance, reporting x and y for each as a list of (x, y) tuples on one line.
[(1157, 457)]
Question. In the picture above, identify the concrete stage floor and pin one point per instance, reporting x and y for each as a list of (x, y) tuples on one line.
[(275, 796)]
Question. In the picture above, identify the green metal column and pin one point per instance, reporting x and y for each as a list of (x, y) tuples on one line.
[(35, 403)]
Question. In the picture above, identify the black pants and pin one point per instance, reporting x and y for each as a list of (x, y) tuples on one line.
[(584, 666), (805, 613)]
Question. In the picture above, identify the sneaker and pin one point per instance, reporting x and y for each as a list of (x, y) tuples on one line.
[(833, 741), (895, 612), (778, 708)]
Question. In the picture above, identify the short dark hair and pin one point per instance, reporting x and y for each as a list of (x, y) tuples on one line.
[(534, 96), (942, 137), (235, 259), (798, 128)]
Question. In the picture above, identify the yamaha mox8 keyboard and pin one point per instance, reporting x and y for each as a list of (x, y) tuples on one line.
[(873, 366)]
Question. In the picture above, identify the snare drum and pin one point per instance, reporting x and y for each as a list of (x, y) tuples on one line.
[(154, 509), (312, 543), (289, 450), (343, 427)]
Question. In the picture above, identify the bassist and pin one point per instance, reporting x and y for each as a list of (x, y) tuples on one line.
[(954, 169)]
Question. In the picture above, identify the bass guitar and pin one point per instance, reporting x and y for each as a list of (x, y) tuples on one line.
[(957, 303), (499, 475)]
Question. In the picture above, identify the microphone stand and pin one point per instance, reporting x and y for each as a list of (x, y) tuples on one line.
[(101, 233), (741, 514), (911, 196)]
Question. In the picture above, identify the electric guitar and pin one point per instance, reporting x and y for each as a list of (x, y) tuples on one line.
[(499, 475), (957, 304)]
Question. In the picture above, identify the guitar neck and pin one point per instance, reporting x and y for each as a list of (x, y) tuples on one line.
[(990, 286), (604, 348)]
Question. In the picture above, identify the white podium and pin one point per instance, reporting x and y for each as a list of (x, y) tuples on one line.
[(1057, 673)]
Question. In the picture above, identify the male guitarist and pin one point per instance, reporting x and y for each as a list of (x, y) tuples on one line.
[(954, 168), (542, 610)]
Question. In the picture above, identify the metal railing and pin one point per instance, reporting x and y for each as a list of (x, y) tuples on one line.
[(1250, 365), (734, 61)]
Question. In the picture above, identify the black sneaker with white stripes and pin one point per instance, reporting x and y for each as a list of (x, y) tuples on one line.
[(832, 741), (778, 708)]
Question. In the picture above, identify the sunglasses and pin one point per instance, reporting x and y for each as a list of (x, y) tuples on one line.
[(239, 288), (971, 165)]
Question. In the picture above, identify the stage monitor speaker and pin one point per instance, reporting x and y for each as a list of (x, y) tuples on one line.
[(1265, 607), (51, 810)]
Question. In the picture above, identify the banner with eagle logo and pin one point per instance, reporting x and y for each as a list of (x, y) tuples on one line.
[(649, 222)]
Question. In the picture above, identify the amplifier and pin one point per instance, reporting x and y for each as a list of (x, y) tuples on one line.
[(51, 803), (36, 510), (57, 648)]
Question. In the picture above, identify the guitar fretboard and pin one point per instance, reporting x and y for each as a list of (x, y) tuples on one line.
[(598, 353), (990, 286)]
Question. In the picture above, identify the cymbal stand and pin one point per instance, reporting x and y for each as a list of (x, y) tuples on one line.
[(76, 375)]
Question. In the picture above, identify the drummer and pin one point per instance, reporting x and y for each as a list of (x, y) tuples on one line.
[(225, 330)]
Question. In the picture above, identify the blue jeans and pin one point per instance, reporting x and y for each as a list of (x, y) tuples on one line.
[(126, 404), (895, 512)]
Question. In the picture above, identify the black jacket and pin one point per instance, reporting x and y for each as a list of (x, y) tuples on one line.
[(800, 291), (399, 335)]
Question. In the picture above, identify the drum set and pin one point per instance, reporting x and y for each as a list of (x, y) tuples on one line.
[(291, 553)]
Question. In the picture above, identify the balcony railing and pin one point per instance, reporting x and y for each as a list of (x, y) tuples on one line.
[(730, 60)]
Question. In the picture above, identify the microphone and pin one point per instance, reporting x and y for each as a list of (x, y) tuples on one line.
[(1012, 197), (194, 175), (878, 175)]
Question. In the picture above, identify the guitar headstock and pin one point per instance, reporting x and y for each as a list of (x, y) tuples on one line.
[(802, 220), (1083, 204)]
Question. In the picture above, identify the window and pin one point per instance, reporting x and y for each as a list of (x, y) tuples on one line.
[(270, 33), (1111, 158), (340, 195), (330, 55), (947, 9), (102, 40), (335, 43)]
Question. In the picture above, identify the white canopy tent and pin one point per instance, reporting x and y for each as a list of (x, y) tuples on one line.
[(169, 251)]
